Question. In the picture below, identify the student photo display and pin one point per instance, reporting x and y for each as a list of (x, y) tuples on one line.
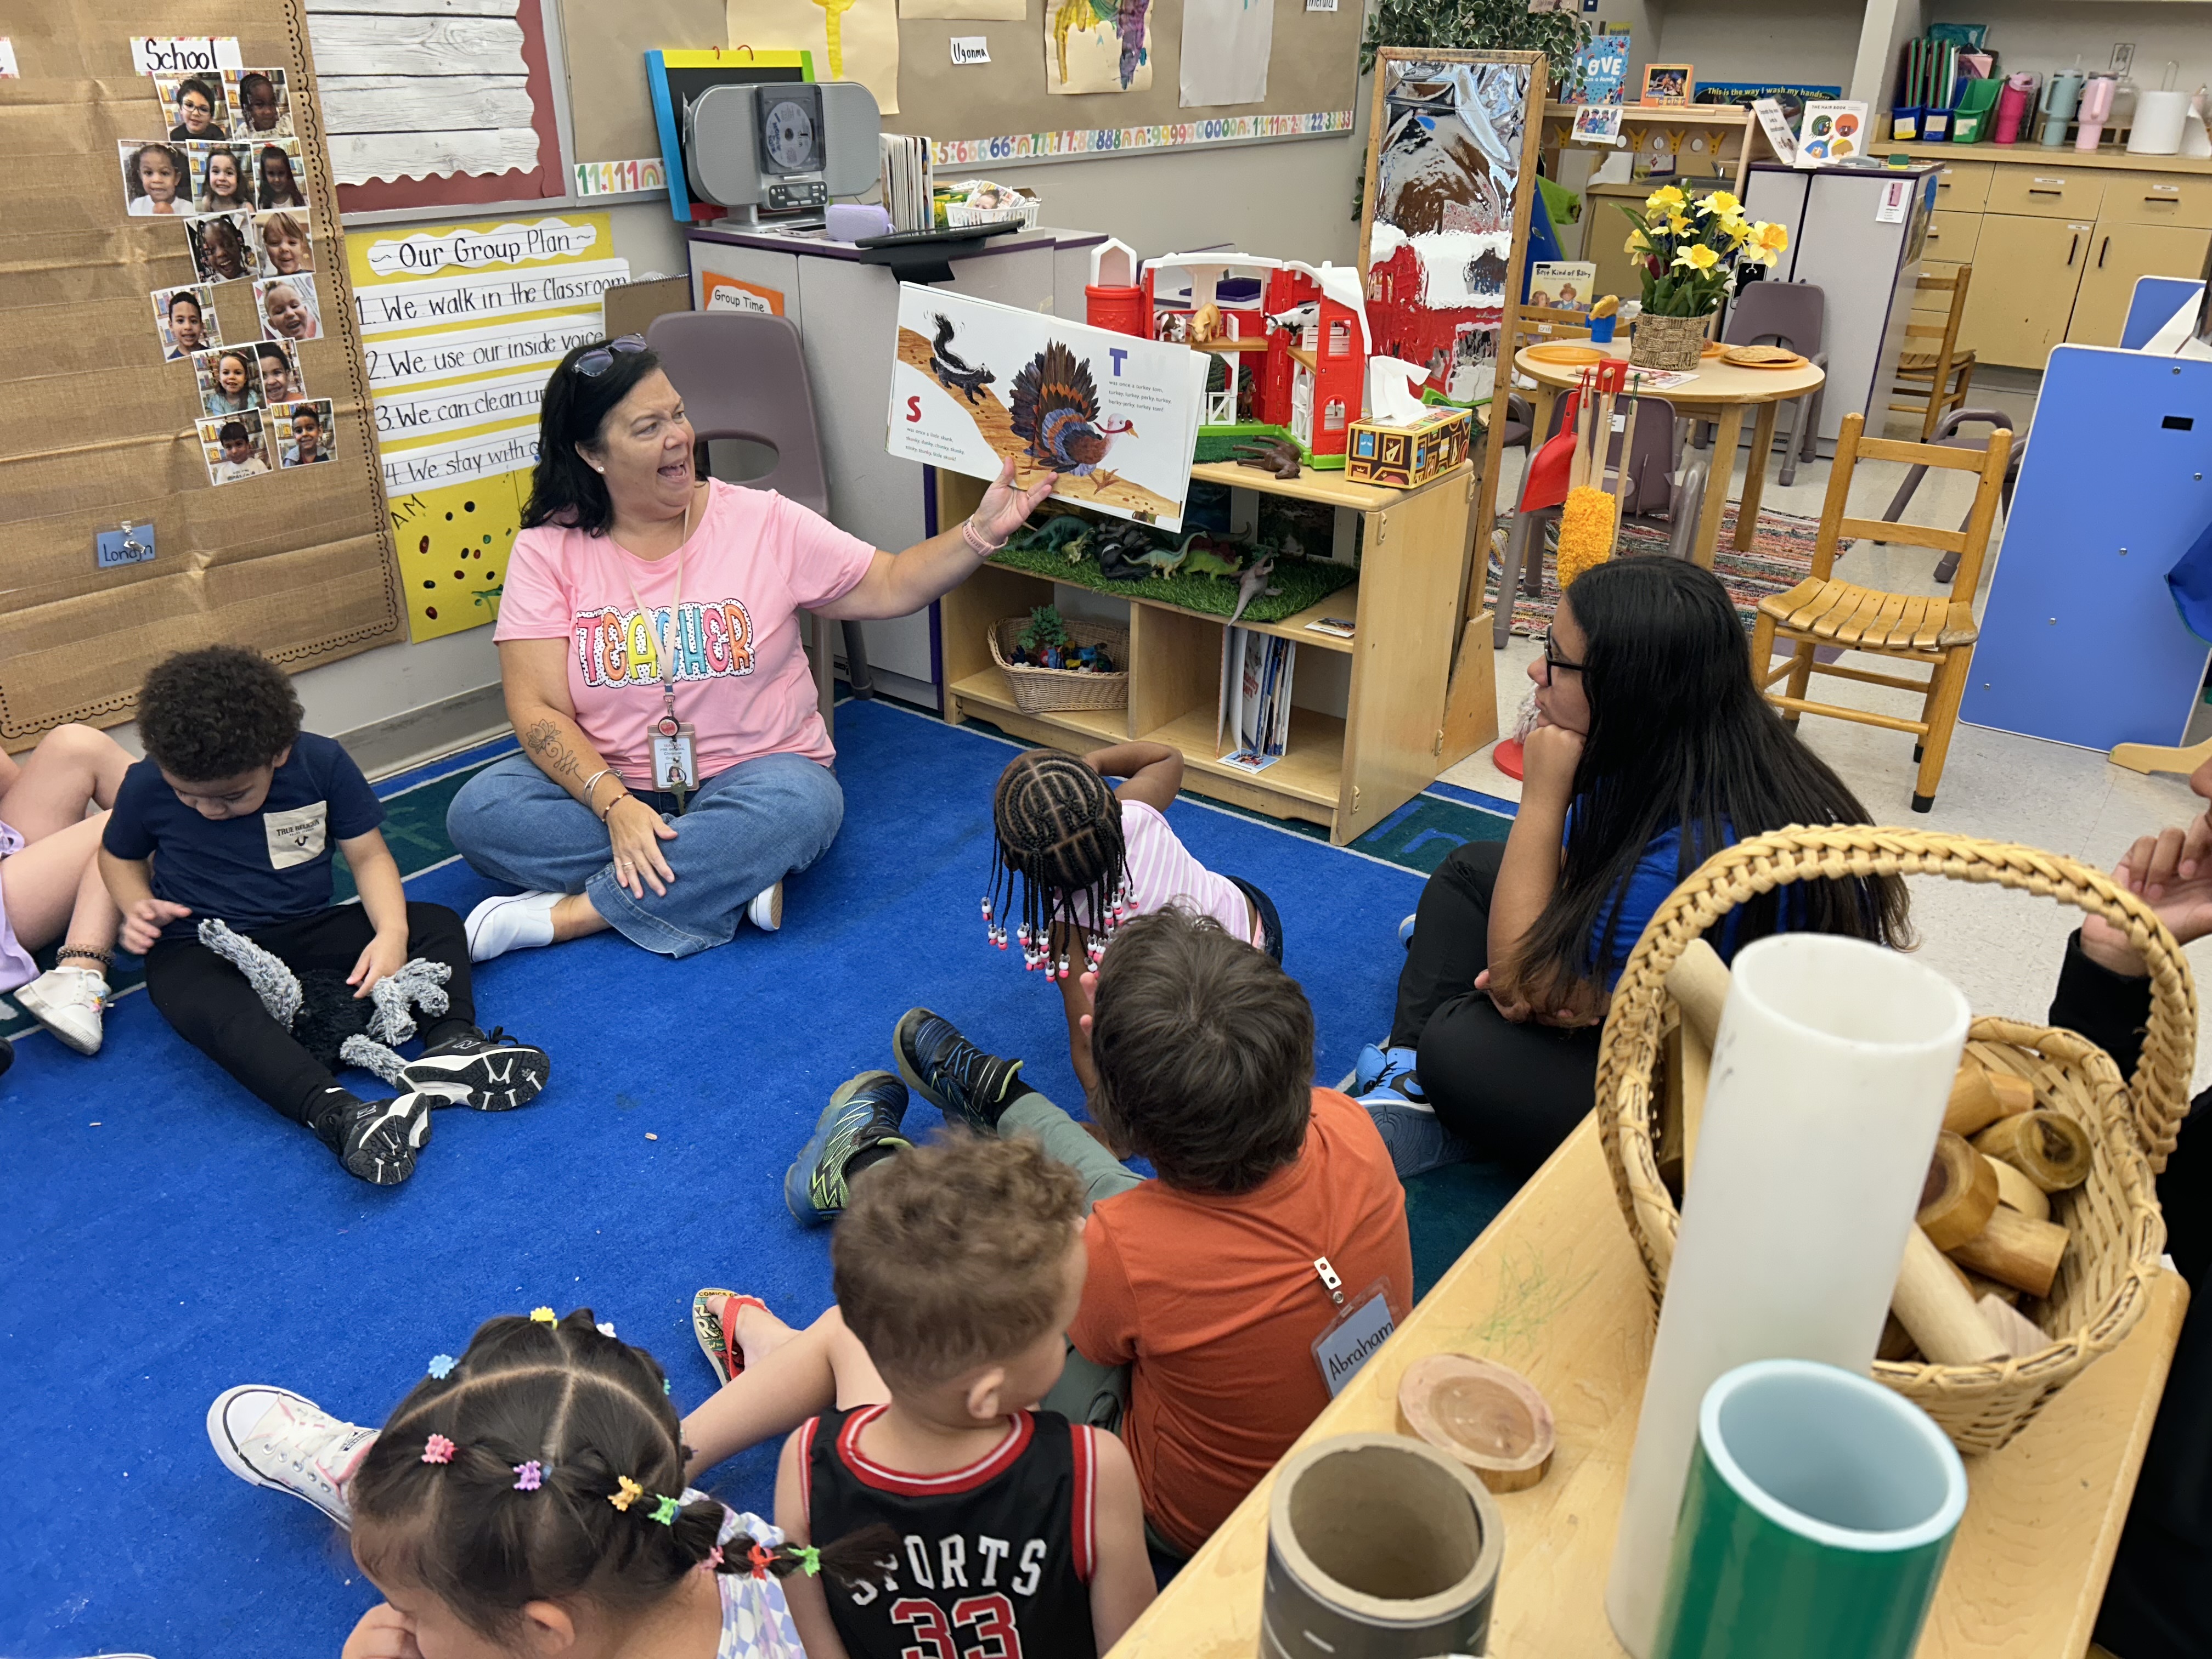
[(229, 379), (302, 431), (260, 103), (280, 379), (286, 249), (225, 247), (290, 308), (193, 105), (236, 446), (157, 178), (222, 178), (276, 174), (184, 320)]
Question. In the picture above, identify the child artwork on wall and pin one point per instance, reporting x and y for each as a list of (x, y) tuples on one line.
[(1227, 44), (851, 40), (260, 103), (290, 309), (157, 179), (223, 247), (1446, 169), (184, 320), (1097, 45), (236, 446), (1114, 416)]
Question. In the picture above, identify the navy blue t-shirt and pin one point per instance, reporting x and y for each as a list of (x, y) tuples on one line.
[(256, 869)]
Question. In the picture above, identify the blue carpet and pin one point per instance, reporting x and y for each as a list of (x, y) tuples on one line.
[(168, 1236)]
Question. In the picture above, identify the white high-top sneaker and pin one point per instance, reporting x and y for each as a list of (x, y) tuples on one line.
[(274, 1438), (67, 1002)]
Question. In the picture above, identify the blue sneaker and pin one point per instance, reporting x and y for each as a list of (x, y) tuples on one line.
[(863, 1113), (1417, 1142), (951, 1073), (1406, 930), (1388, 1069)]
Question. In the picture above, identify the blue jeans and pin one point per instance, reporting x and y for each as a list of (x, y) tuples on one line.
[(747, 827)]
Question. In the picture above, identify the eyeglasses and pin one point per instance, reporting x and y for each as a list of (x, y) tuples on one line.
[(601, 358), (1552, 663)]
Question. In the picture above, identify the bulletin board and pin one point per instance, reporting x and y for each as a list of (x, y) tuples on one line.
[(97, 428), (984, 112)]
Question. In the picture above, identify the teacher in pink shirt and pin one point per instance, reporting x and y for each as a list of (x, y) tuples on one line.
[(675, 767)]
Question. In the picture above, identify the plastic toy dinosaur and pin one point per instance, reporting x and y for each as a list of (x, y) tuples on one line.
[(1277, 455), (950, 368), (1254, 584)]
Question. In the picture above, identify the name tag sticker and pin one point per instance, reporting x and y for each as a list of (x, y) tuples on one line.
[(1352, 1337)]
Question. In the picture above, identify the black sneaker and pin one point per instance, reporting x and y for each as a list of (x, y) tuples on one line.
[(492, 1073), (865, 1113), (379, 1138), (952, 1074)]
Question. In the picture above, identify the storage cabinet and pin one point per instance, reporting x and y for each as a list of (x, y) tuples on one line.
[(2057, 238)]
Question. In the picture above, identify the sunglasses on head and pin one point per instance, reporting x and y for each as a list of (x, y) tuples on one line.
[(601, 358)]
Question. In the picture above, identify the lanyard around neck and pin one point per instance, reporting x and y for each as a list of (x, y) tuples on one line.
[(665, 658)]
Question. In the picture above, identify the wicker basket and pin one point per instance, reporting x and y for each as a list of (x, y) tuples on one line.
[(2118, 1235), (1675, 342), (1038, 689)]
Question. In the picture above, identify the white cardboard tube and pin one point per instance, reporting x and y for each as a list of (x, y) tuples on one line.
[(1830, 1077)]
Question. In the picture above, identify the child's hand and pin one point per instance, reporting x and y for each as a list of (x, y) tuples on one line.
[(1088, 980), (384, 1632), (386, 955), (143, 923)]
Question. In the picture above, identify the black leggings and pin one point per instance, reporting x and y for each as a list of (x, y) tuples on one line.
[(213, 1009), (1513, 1093)]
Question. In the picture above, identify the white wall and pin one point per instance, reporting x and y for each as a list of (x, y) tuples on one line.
[(1760, 40)]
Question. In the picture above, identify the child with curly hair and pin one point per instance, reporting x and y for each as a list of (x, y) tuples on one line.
[(1077, 856), (528, 1498), (234, 814)]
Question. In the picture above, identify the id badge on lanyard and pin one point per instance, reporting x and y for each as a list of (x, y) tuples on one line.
[(1357, 1330), (675, 753)]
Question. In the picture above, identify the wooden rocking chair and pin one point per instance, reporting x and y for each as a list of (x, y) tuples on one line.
[(1937, 631), (1937, 374)]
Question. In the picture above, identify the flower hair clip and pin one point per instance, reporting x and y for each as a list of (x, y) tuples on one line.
[(809, 1559), (762, 1559), (544, 1315), (627, 1491), (438, 1450), (712, 1562), (529, 1477), (665, 1511), (442, 1365)]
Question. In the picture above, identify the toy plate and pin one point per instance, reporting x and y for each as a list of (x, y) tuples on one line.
[(1565, 354), (1736, 361)]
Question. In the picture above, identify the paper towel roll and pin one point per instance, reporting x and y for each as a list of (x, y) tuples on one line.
[(2158, 119), (1834, 1064)]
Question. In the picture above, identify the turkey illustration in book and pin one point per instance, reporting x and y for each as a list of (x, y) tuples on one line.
[(1114, 416)]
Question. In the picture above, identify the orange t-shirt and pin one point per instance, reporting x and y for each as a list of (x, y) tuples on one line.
[(1213, 1303)]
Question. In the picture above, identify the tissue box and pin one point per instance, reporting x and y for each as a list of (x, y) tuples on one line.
[(1377, 452)]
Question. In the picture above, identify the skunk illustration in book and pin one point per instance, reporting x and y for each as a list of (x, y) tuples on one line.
[(1055, 411), (952, 369)]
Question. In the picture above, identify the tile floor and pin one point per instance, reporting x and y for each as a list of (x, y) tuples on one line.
[(2001, 948)]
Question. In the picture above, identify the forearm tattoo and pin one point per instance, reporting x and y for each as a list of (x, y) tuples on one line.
[(554, 757)]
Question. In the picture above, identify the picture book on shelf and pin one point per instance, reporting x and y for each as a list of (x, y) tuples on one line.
[(1563, 285), (1599, 74), (1114, 416), (1252, 721)]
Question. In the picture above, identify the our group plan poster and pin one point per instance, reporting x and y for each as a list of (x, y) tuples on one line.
[(461, 327), (1114, 416)]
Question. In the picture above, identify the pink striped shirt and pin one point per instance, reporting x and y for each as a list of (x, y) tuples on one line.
[(1163, 873)]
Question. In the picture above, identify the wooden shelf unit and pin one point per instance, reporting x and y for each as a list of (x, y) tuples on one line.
[(1345, 774)]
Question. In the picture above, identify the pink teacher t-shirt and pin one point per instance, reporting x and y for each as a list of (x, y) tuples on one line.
[(753, 562)]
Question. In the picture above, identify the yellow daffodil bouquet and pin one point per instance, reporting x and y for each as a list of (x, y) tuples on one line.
[(1689, 248)]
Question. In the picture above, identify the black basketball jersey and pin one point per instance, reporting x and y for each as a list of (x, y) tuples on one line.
[(995, 1560)]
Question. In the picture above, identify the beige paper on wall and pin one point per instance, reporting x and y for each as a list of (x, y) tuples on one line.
[(980, 11), (1225, 47), (851, 40), (1097, 45)]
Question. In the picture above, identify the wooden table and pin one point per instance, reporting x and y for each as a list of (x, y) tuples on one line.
[(1553, 1288), (1720, 394)]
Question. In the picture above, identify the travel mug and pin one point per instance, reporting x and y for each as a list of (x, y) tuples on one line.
[(1817, 1513)]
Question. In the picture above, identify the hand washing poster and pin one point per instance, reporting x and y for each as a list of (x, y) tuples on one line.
[(1114, 416), (462, 325)]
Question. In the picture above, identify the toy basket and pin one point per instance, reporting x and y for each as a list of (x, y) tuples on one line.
[(1036, 691), (2113, 1217), (958, 216)]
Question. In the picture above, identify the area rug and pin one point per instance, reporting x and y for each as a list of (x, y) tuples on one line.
[(1780, 557)]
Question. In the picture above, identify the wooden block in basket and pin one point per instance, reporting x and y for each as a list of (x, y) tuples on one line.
[(1039, 691)]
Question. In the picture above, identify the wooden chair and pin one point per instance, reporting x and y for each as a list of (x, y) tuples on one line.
[(1937, 631), (1535, 326), (1935, 376)]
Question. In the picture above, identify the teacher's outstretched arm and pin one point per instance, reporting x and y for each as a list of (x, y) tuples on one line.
[(900, 584)]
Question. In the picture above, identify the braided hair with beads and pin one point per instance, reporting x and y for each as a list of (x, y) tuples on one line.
[(546, 1464), (1060, 858)]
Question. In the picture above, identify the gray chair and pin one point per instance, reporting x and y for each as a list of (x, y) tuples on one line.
[(1946, 435), (1794, 316), (742, 377), (1654, 489)]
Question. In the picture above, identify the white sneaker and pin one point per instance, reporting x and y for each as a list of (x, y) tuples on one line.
[(274, 1438), (512, 921), (67, 1002), (766, 910)]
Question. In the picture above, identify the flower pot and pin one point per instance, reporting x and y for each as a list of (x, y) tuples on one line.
[(1667, 342)]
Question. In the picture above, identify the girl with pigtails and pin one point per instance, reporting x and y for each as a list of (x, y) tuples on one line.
[(528, 1497), (1077, 856)]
